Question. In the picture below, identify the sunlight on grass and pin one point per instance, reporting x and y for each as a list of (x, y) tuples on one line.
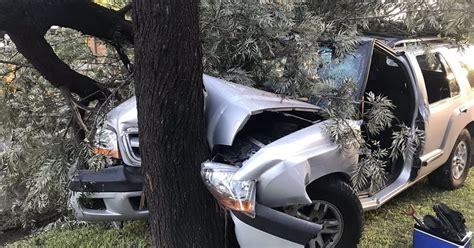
[(134, 235), (388, 227)]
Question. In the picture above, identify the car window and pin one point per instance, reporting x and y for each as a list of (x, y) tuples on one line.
[(453, 84), (467, 63), (439, 78), (350, 67)]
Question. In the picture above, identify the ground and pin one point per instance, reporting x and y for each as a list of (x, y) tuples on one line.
[(386, 227)]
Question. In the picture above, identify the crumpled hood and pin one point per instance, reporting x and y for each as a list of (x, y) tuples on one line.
[(123, 116), (230, 105), (228, 108)]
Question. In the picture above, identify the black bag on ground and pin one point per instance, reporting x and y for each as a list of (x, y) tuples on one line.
[(452, 221)]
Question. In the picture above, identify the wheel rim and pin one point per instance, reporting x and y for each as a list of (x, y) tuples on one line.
[(459, 161), (323, 213)]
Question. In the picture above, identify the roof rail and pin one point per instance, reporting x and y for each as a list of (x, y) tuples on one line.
[(384, 35), (424, 40)]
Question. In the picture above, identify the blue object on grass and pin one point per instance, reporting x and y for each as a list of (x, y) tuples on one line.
[(423, 239)]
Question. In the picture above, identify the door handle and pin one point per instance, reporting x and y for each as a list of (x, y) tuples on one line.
[(463, 109)]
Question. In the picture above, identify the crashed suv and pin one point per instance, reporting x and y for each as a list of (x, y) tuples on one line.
[(286, 183)]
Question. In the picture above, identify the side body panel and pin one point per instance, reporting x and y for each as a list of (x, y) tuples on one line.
[(446, 118), (285, 167)]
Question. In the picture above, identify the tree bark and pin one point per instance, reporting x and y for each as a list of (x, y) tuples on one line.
[(169, 89)]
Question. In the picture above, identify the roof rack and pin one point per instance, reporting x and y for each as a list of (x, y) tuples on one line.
[(384, 35), (398, 41), (424, 40)]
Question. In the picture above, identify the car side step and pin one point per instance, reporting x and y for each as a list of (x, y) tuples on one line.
[(363, 194)]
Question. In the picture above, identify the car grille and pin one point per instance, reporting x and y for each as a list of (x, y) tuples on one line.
[(135, 145), (132, 144)]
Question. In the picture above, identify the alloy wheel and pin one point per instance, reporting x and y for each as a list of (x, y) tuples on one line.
[(323, 213), (459, 160)]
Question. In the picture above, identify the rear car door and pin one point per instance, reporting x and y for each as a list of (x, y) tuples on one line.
[(445, 96)]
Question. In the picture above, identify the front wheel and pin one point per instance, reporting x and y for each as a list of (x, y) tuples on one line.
[(337, 208), (453, 173)]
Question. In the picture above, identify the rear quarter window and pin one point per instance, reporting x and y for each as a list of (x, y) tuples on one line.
[(439, 79), (466, 59)]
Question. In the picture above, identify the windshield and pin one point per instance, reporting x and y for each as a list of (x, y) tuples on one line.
[(351, 67)]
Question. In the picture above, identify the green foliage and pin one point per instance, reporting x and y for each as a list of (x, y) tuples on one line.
[(267, 45), (406, 141), (31, 164), (38, 126), (370, 172), (380, 113)]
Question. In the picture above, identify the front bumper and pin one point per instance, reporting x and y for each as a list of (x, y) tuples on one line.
[(111, 194), (272, 228), (108, 206)]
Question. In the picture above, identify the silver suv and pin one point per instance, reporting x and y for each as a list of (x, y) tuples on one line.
[(286, 183)]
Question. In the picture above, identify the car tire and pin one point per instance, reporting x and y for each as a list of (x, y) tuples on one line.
[(453, 173), (342, 197)]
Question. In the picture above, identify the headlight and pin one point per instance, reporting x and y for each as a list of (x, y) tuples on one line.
[(106, 143), (232, 194)]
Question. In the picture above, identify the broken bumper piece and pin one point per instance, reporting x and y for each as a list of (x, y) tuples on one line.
[(111, 194), (272, 228)]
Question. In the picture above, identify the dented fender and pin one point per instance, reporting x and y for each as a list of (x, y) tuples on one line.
[(285, 167)]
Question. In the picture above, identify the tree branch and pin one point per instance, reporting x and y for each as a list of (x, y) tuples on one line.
[(123, 57), (91, 19), (39, 53), (75, 111), (26, 21)]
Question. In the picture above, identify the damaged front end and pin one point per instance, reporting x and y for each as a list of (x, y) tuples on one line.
[(267, 150), (115, 192), (110, 194)]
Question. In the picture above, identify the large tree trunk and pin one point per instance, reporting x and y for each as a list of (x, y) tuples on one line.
[(173, 143)]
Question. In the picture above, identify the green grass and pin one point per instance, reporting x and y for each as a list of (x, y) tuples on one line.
[(385, 227), (134, 234)]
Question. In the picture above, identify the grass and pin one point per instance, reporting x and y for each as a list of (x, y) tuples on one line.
[(385, 227), (133, 235), (388, 227)]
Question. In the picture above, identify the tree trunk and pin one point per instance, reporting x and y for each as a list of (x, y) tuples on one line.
[(173, 143)]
